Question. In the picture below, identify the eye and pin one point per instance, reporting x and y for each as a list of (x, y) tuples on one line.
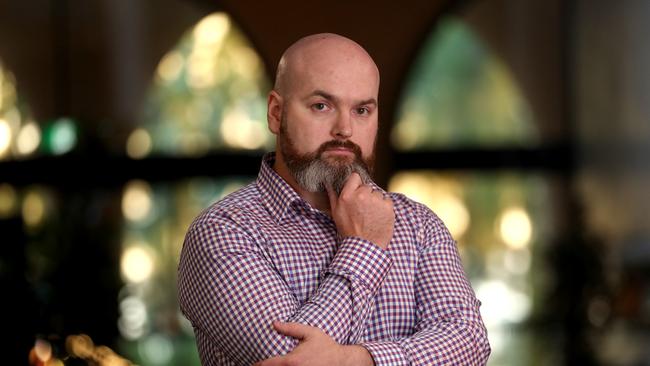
[(363, 111), (319, 106)]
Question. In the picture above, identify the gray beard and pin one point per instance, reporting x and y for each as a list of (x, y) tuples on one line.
[(316, 175)]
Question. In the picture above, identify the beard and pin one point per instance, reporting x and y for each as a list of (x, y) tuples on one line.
[(314, 173)]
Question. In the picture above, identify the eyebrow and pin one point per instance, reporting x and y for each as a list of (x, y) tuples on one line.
[(330, 97)]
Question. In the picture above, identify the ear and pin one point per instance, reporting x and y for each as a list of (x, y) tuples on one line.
[(274, 112)]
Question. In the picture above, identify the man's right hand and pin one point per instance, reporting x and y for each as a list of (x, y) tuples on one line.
[(361, 212)]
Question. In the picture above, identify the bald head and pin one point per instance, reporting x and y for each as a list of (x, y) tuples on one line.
[(321, 53)]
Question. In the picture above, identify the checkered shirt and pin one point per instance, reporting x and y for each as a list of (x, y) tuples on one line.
[(263, 254)]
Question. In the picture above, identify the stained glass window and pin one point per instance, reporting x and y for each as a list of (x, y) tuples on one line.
[(208, 93), (459, 94)]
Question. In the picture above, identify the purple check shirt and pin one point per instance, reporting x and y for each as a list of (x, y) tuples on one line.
[(263, 254)]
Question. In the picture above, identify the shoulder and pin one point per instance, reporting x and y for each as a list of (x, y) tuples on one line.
[(426, 223), (234, 212)]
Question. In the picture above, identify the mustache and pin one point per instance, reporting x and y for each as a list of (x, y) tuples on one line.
[(347, 144)]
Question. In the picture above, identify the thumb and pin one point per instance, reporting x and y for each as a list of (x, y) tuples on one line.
[(294, 330)]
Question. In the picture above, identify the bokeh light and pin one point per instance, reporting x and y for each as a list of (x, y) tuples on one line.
[(502, 304), (441, 196), (133, 318), (138, 145), (170, 66), (515, 227), (240, 131), (8, 200), (157, 349), (28, 139), (137, 200), (60, 136), (34, 208), (5, 137), (43, 350), (137, 263)]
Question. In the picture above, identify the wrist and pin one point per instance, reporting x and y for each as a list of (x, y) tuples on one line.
[(356, 355)]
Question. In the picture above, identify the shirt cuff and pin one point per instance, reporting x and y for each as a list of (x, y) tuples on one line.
[(386, 353), (362, 260)]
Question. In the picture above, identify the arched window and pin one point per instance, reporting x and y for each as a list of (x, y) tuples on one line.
[(460, 98), (459, 94), (208, 96), (208, 93)]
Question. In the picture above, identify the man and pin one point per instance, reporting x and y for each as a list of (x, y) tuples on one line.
[(314, 264)]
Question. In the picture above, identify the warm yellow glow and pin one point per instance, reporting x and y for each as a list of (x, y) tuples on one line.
[(408, 133), (80, 346), (209, 35), (453, 213), (8, 200), (239, 131), (138, 145), (43, 350), (515, 227), (137, 200), (137, 264), (212, 29), (502, 304), (34, 208), (201, 73), (247, 62), (8, 91), (170, 66), (28, 139), (441, 196), (5, 137)]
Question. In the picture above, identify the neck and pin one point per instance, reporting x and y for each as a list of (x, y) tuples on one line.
[(318, 200)]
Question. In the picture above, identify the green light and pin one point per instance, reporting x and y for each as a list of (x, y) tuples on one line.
[(61, 136)]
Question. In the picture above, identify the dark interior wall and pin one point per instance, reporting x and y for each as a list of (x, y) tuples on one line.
[(613, 108)]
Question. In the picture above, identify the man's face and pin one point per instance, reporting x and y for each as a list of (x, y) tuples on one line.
[(329, 120), (315, 170)]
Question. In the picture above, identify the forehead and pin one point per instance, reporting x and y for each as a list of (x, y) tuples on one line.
[(341, 70)]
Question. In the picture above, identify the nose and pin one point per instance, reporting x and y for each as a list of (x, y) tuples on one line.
[(342, 128)]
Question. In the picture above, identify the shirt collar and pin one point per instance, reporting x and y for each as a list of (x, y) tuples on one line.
[(277, 195)]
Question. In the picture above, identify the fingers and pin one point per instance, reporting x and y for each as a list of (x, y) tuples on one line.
[(294, 330), (352, 184)]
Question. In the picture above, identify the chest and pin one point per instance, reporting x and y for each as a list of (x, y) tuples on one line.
[(302, 249)]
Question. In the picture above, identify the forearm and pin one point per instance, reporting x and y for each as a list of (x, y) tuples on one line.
[(341, 304), (438, 344)]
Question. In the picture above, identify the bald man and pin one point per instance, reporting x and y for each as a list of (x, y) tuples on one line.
[(313, 263)]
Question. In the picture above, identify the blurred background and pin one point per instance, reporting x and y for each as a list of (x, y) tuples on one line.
[(522, 123)]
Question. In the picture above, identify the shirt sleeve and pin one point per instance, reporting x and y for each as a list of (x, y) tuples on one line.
[(232, 292), (449, 329)]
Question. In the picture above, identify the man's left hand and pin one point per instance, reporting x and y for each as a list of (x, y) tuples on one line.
[(315, 348)]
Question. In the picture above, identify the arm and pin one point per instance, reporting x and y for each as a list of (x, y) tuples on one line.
[(232, 293), (449, 329)]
